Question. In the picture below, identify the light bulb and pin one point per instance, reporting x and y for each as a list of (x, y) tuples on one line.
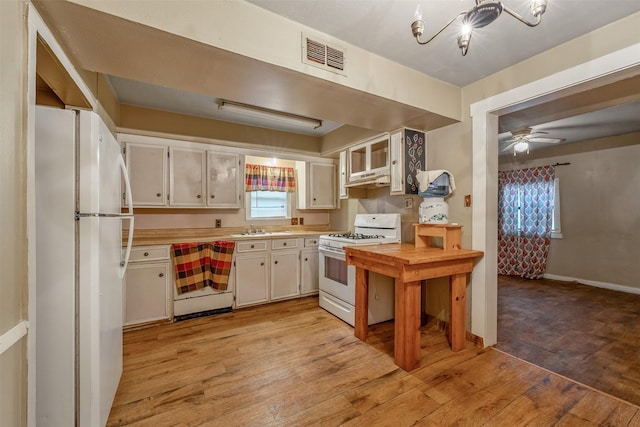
[(538, 7), (417, 16)]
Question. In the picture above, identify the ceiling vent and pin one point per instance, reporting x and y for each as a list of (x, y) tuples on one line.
[(321, 55)]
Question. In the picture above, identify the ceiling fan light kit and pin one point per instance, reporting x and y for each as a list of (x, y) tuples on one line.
[(521, 147), (479, 16)]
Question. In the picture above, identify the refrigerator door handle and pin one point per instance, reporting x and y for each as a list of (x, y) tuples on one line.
[(127, 184)]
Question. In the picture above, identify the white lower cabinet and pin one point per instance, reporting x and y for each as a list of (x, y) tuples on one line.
[(309, 271), (271, 270), (252, 272), (148, 285), (309, 262), (285, 274), (285, 268)]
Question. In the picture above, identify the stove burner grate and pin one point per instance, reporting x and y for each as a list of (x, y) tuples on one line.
[(357, 236)]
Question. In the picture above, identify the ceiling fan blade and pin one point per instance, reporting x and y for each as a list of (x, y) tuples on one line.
[(534, 134), (547, 140)]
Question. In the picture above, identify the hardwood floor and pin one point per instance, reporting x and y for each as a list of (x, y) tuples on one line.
[(588, 334), (292, 364)]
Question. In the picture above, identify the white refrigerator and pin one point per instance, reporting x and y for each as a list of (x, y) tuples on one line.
[(79, 173)]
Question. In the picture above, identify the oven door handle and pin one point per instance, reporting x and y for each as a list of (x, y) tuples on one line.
[(332, 252)]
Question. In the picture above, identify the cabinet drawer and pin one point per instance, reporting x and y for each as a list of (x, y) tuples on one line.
[(284, 243), (311, 242), (149, 253), (253, 246)]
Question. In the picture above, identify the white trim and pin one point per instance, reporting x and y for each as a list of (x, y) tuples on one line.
[(594, 283), (607, 68), (13, 335), (618, 61)]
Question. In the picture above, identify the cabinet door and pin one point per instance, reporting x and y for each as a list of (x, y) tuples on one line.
[(396, 150), (223, 180), (251, 279), (147, 165), (408, 155), (414, 158), (186, 171), (343, 176), (309, 278), (148, 294), (322, 186), (285, 273)]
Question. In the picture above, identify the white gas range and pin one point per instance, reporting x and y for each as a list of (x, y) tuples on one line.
[(337, 280)]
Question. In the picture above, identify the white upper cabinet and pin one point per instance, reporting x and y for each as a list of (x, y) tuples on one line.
[(323, 186), (369, 159), (408, 155), (342, 187), (223, 183), (316, 185), (186, 177), (147, 165), (397, 170)]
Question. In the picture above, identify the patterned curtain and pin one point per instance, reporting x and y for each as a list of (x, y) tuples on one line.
[(525, 214), (269, 178)]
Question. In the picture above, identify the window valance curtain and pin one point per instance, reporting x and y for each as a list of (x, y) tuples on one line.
[(525, 213), (269, 178)]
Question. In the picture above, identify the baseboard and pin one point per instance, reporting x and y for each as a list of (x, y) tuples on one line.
[(604, 285)]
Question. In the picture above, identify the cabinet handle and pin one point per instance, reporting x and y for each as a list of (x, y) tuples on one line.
[(146, 254), (262, 263), (314, 199), (284, 244), (161, 275), (158, 194), (213, 196), (199, 196), (252, 246), (394, 162), (306, 259), (275, 262)]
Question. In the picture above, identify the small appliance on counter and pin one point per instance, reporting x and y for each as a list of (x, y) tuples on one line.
[(434, 186)]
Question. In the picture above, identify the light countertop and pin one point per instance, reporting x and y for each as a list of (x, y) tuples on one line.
[(144, 237)]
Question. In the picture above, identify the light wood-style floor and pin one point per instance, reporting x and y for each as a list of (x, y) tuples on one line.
[(588, 334), (292, 364)]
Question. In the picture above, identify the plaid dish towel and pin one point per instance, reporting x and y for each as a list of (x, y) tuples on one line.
[(198, 265)]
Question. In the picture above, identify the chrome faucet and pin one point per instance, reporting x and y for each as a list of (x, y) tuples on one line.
[(253, 229)]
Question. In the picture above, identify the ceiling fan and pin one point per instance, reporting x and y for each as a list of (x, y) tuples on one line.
[(521, 138)]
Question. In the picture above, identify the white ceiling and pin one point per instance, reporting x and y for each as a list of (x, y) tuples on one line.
[(382, 27)]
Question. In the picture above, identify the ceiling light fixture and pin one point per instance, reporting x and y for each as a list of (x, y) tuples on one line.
[(265, 113), (521, 147), (481, 15)]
